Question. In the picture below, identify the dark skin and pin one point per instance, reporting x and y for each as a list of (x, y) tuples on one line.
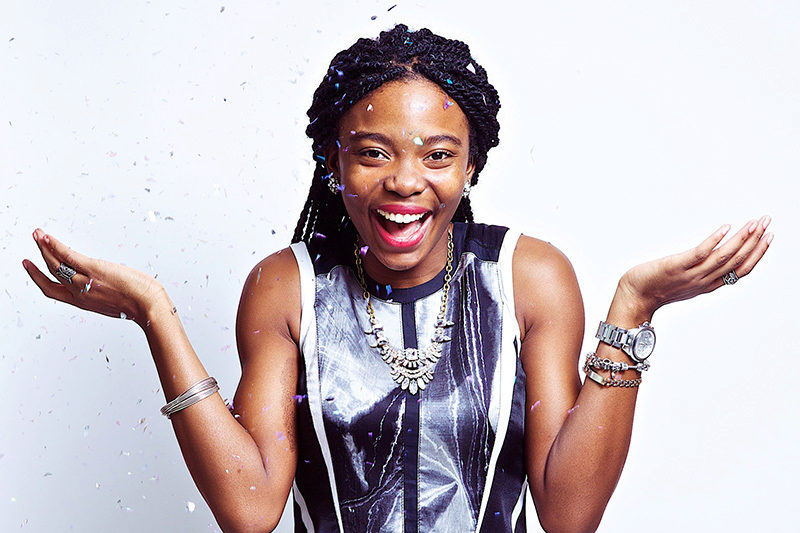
[(577, 435)]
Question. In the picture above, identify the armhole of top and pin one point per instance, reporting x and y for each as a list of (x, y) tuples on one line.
[(505, 261), (306, 270)]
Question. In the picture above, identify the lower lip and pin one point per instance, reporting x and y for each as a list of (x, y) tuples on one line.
[(395, 243)]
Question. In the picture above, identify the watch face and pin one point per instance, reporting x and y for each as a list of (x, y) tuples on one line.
[(643, 344)]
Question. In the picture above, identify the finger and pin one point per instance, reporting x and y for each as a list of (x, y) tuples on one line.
[(701, 252), (67, 255), (749, 264), (49, 288), (55, 253), (736, 253)]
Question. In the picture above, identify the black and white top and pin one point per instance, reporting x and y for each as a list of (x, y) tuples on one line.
[(373, 457)]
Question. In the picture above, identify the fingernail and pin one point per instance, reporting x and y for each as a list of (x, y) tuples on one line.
[(34, 235), (769, 237), (25, 264), (753, 226), (765, 221), (724, 229), (47, 238)]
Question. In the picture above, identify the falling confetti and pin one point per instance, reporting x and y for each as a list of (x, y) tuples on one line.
[(364, 250), (418, 141), (190, 506), (123, 316), (536, 404), (369, 107), (258, 278), (573, 409), (447, 103)]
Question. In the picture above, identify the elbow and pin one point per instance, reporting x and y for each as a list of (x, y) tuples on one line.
[(559, 516), (249, 519), (564, 519), (568, 525)]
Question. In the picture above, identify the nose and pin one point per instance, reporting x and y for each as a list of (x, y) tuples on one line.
[(406, 179)]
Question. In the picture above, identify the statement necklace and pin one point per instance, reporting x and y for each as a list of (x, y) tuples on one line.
[(411, 368)]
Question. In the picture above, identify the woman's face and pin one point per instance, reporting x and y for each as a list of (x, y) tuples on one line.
[(403, 159)]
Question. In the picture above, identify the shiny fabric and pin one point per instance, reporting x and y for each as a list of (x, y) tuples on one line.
[(357, 426)]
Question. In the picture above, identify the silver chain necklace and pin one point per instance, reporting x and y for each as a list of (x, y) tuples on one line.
[(411, 368)]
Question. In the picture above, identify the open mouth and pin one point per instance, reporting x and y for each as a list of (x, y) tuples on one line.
[(401, 229)]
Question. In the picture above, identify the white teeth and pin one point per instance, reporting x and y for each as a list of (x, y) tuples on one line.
[(400, 219)]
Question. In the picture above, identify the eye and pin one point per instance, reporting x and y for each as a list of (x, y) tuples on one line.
[(373, 153), (439, 155)]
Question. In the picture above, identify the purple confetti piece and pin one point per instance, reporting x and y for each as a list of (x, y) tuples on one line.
[(571, 410), (364, 250), (447, 103), (536, 404)]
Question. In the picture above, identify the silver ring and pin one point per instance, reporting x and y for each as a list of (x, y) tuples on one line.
[(64, 271), (730, 278)]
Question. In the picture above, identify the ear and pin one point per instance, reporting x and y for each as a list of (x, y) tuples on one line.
[(470, 169), (332, 158)]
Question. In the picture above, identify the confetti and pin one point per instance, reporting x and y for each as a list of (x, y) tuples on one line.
[(536, 404), (471, 68), (449, 81), (394, 6), (418, 141), (369, 107), (388, 290), (190, 506), (571, 410), (447, 103), (364, 250), (123, 316), (373, 17), (258, 278), (221, 9)]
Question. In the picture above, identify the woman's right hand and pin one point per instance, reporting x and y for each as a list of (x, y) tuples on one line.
[(99, 286)]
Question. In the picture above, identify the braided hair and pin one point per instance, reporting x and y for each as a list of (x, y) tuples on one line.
[(357, 71)]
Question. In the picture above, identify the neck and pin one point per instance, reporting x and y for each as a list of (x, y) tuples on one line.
[(422, 272)]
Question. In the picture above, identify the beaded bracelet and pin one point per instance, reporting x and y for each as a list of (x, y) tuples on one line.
[(610, 382), (615, 366)]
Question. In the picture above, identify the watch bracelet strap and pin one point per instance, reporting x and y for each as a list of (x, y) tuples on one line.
[(613, 335)]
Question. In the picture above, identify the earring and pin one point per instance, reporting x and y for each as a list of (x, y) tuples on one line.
[(467, 189), (333, 183)]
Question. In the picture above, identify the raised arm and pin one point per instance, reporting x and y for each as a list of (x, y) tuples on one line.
[(243, 465), (577, 435)]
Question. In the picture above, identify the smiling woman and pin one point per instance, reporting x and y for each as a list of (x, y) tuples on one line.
[(403, 367)]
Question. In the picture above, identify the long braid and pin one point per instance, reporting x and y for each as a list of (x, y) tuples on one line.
[(357, 71)]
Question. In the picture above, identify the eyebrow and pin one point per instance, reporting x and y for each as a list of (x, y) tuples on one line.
[(383, 139)]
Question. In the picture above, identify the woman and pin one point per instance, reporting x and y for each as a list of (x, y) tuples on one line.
[(403, 367)]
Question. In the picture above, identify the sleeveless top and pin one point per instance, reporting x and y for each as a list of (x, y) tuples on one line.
[(373, 457)]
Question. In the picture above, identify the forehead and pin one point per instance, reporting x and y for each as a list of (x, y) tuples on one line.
[(410, 105)]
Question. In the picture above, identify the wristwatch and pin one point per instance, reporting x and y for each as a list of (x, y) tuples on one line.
[(638, 343)]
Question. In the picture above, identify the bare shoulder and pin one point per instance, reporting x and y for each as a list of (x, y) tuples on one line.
[(545, 284), (270, 304)]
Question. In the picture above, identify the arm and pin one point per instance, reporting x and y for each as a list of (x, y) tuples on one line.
[(577, 436), (243, 465)]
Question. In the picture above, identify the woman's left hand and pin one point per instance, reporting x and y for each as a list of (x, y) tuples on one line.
[(698, 270)]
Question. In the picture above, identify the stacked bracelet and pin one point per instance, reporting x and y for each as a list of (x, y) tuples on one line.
[(610, 382), (192, 395), (614, 366)]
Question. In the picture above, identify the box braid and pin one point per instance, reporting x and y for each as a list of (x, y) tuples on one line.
[(357, 71)]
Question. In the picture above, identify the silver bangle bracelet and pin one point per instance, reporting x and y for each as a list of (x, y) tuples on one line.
[(614, 366), (199, 391)]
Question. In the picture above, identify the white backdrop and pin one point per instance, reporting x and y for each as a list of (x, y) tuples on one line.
[(169, 136)]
